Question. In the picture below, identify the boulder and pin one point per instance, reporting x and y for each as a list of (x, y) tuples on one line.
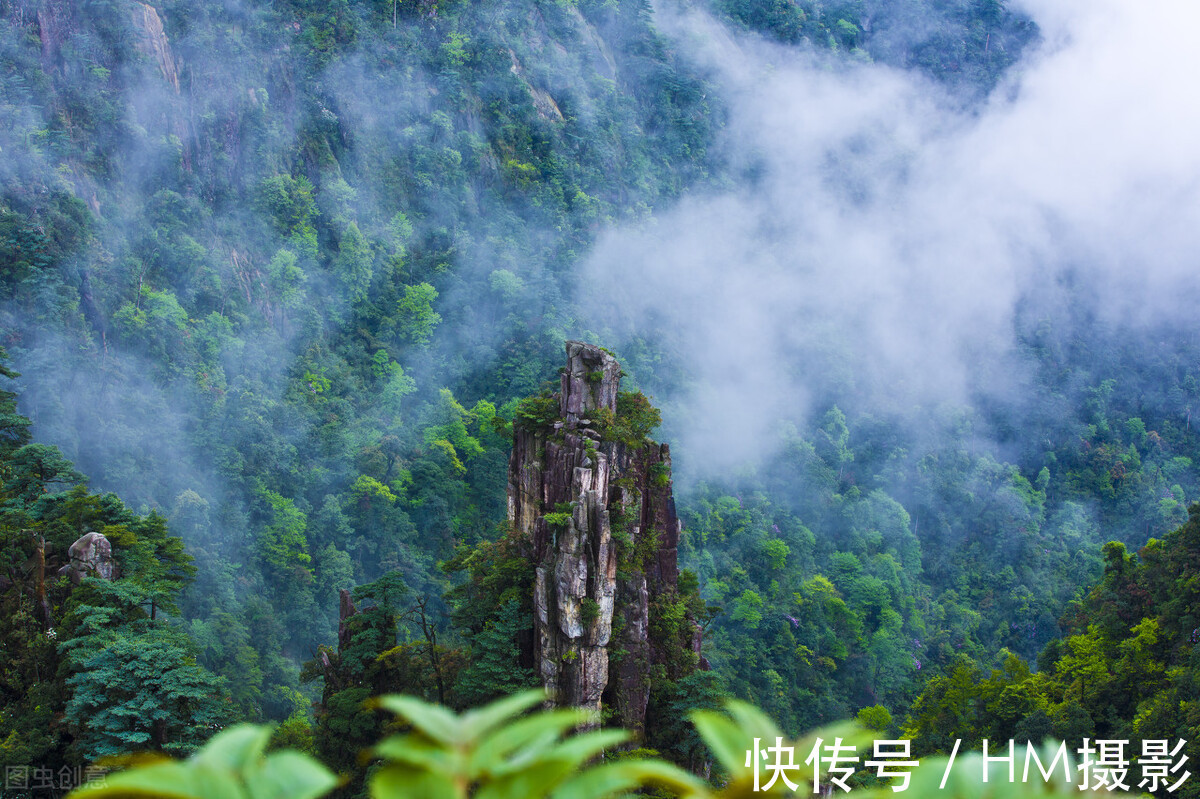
[(90, 556)]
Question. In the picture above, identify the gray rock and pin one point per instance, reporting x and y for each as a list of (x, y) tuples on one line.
[(91, 556), (578, 587)]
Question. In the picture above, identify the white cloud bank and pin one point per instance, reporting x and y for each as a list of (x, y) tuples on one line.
[(889, 236)]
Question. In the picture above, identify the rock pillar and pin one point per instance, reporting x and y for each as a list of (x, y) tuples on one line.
[(593, 497)]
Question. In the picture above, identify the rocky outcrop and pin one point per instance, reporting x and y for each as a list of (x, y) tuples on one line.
[(153, 43), (91, 556), (592, 495), (55, 20), (543, 103), (346, 609)]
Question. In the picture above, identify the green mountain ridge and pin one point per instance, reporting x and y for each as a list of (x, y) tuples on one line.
[(280, 274)]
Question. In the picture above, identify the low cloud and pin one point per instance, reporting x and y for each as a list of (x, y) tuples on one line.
[(881, 237)]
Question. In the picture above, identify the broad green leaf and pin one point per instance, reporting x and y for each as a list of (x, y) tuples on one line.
[(752, 721), (476, 723), (419, 752), (235, 747), (531, 734), (396, 781), (581, 748), (598, 782), (433, 720), (626, 775), (289, 775), (213, 783), (230, 766), (724, 738), (528, 783), (848, 731), (170, 779)]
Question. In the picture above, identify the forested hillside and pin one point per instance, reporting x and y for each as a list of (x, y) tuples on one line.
[(92, 666), (1125, 669), (279, 276)]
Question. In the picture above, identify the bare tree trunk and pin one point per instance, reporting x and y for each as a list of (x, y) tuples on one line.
[(431, 637), (41, 603)]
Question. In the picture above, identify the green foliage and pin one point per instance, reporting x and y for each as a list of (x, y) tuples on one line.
[(289, 204), (875, 718), (354, 266), (220, 299), (449, 428), (287, 279), (396, 387), (95, 669), (14, 428), (151, 558), (537, 413), (965, 46), (635, 419), (966, 779), (589, 611), (294, 732), (1125, 661), (508, 285), (645, 548), (233, 765), (416, 319), (156, 325), (726, 734), (495, 669), (485, 752), (387, 592), (748, 609), (493, 608), (920, 560), (495, 751), (776, 552), (499, 572), (138, 690), (389, 644), (33, 470), (283, 545), (234, 309)]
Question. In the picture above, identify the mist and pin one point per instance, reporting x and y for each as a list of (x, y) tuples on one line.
[(277, 238), (881, 238), (283, 271)]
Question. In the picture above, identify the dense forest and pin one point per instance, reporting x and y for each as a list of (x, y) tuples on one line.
[(279, 279)]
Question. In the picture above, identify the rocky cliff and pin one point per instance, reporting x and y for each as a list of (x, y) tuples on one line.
[(592, 494), (153, 42)]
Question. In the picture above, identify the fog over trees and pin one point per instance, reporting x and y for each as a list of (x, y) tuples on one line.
[(910, 283)]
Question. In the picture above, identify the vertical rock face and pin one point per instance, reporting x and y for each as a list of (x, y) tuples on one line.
[(594, 500), (153, 42)]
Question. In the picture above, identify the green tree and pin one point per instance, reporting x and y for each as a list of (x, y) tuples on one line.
[(415, 317), (282, 544), (135, 685), (34, 470), (354, 263), (495, 669)]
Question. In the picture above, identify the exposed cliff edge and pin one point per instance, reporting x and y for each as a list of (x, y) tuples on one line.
[(592, 494), (153, 42)]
